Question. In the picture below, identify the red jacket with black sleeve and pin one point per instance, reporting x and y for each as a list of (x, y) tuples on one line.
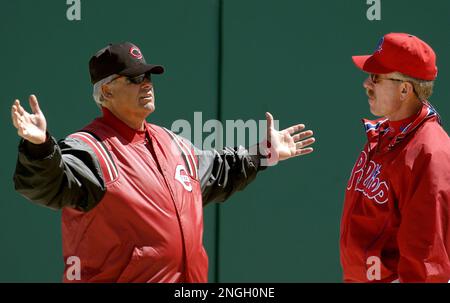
[(132, 201)]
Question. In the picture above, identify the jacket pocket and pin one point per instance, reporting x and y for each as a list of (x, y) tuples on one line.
[(142, 266)]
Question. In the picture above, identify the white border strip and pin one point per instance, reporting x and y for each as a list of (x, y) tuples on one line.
[(113, 173)]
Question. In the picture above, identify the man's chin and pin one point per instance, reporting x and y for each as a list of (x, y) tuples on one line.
[(372, 107), (375, 113), (149, 107)]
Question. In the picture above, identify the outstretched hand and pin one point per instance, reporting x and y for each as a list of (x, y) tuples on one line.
[(31, 127), (287, 143)]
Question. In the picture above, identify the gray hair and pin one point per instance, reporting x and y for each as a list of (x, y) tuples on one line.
[(422, 88), (97, 90)]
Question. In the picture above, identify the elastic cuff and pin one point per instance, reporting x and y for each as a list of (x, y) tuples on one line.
[(38, 151), (258, 159)]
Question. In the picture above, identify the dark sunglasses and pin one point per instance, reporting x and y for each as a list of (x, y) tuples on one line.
[(136, 79), (139, 79)]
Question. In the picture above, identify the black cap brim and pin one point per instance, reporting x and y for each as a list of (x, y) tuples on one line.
[(142, 69)]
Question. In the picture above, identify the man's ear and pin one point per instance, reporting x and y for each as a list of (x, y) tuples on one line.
[(406, 89), (106, 92)]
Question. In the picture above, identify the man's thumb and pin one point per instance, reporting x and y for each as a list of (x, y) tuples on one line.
[(34, 104), (269, 119)]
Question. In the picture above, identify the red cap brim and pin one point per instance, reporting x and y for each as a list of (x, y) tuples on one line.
[(370, 65)]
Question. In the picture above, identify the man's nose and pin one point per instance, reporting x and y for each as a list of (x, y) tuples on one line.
[(368, 84), (147, 84)]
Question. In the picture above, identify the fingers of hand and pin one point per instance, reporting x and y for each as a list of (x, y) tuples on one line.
[(19, 107), (293, 129), (16, 118), (304, 143), (304, 151), (20, 123), (22, 113), (13, 113), (21, 127), (302, 135)]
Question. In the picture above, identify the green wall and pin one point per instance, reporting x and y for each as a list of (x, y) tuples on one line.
[(291, 58)]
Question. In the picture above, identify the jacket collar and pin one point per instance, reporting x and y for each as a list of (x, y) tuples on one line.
[(129, 134), (376, 128)]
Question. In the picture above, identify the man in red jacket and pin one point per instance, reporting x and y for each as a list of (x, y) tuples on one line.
[(131, 192), (396, 217)]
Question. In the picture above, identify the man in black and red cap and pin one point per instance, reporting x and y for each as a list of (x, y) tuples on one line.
[(131, 192), (396, 217)]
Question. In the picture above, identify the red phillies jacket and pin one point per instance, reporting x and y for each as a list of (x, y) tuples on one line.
[(132, 200), (396, 217)]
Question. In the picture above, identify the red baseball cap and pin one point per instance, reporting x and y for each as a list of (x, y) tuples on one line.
[(400, 52)]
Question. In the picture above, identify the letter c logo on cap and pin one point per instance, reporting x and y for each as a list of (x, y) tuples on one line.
[(135, 52)]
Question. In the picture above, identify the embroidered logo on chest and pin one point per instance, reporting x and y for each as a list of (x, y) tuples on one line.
[(365, 178), (182, 177)]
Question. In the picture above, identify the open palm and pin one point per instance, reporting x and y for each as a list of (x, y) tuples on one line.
[(287, 143), (31, 127)]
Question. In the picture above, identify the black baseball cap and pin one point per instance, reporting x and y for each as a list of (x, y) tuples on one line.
[(123, 59)]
